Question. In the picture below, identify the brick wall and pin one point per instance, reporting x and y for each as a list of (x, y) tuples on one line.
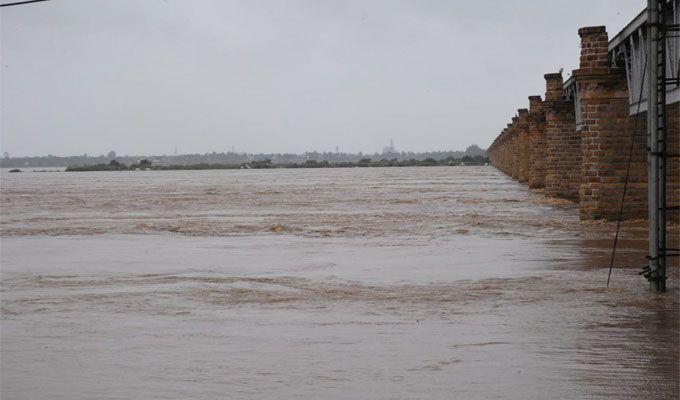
[(562, 143), (523, 144), (543, 148), (502, 154), (507, 152), (536, 128), (514, 148), (506, 155), (606, 134)]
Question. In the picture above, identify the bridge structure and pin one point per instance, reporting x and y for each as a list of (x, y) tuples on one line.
[(596, 139)]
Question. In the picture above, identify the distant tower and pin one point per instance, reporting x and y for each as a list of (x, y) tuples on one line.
[(233, 149), (337, 149), (390, 148), (175, 150)]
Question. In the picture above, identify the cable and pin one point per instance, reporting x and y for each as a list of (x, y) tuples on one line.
[(18, 3), (625, 183)]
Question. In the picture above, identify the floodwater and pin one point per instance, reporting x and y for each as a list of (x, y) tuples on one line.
[(367, 283)]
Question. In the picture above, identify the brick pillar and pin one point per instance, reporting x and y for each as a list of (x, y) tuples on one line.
[(606, 133), (523, 145), (493, 151), (514, 149), (536, 127), (563, 143), (508, 141), (499, 152), (490, 151), (507, 153)]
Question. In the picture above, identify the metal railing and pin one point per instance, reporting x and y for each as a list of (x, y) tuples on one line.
[(627, 50)]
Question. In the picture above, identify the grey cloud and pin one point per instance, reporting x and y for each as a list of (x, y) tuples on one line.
[(85, 76)]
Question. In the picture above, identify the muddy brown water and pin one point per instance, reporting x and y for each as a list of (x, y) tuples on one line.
[(370, 283)]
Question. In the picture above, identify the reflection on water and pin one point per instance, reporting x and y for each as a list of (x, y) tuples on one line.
[(348, 283)]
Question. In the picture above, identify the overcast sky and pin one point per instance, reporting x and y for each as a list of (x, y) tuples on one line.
[(146, 76)]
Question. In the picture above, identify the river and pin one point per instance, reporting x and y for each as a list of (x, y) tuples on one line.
[(361, 283)]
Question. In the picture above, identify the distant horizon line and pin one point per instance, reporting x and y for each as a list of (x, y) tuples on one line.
[(6, 155)]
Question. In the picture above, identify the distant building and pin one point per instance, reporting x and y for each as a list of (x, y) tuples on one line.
[(389, 149)]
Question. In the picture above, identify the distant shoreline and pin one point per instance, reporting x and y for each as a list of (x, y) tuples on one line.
[(232, 158), (145, 165)]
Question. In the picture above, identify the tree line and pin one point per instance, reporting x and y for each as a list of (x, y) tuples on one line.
[(146, 164)]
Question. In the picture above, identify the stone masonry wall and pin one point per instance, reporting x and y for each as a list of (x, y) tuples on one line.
[(523, 144), (563, 143), (543, 147), (536, 128), (607, 135), (514, 149)]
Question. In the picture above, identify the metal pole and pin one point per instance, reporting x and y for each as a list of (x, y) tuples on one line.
[(653, 141), (661, 136)]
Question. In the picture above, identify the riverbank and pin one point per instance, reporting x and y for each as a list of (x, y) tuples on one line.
[(267, 164)]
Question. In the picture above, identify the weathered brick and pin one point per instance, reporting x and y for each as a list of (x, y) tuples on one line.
[(562, 143), (542, 147)]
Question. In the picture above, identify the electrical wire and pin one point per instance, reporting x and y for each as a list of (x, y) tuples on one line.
[(625, 183), (18, 3)]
